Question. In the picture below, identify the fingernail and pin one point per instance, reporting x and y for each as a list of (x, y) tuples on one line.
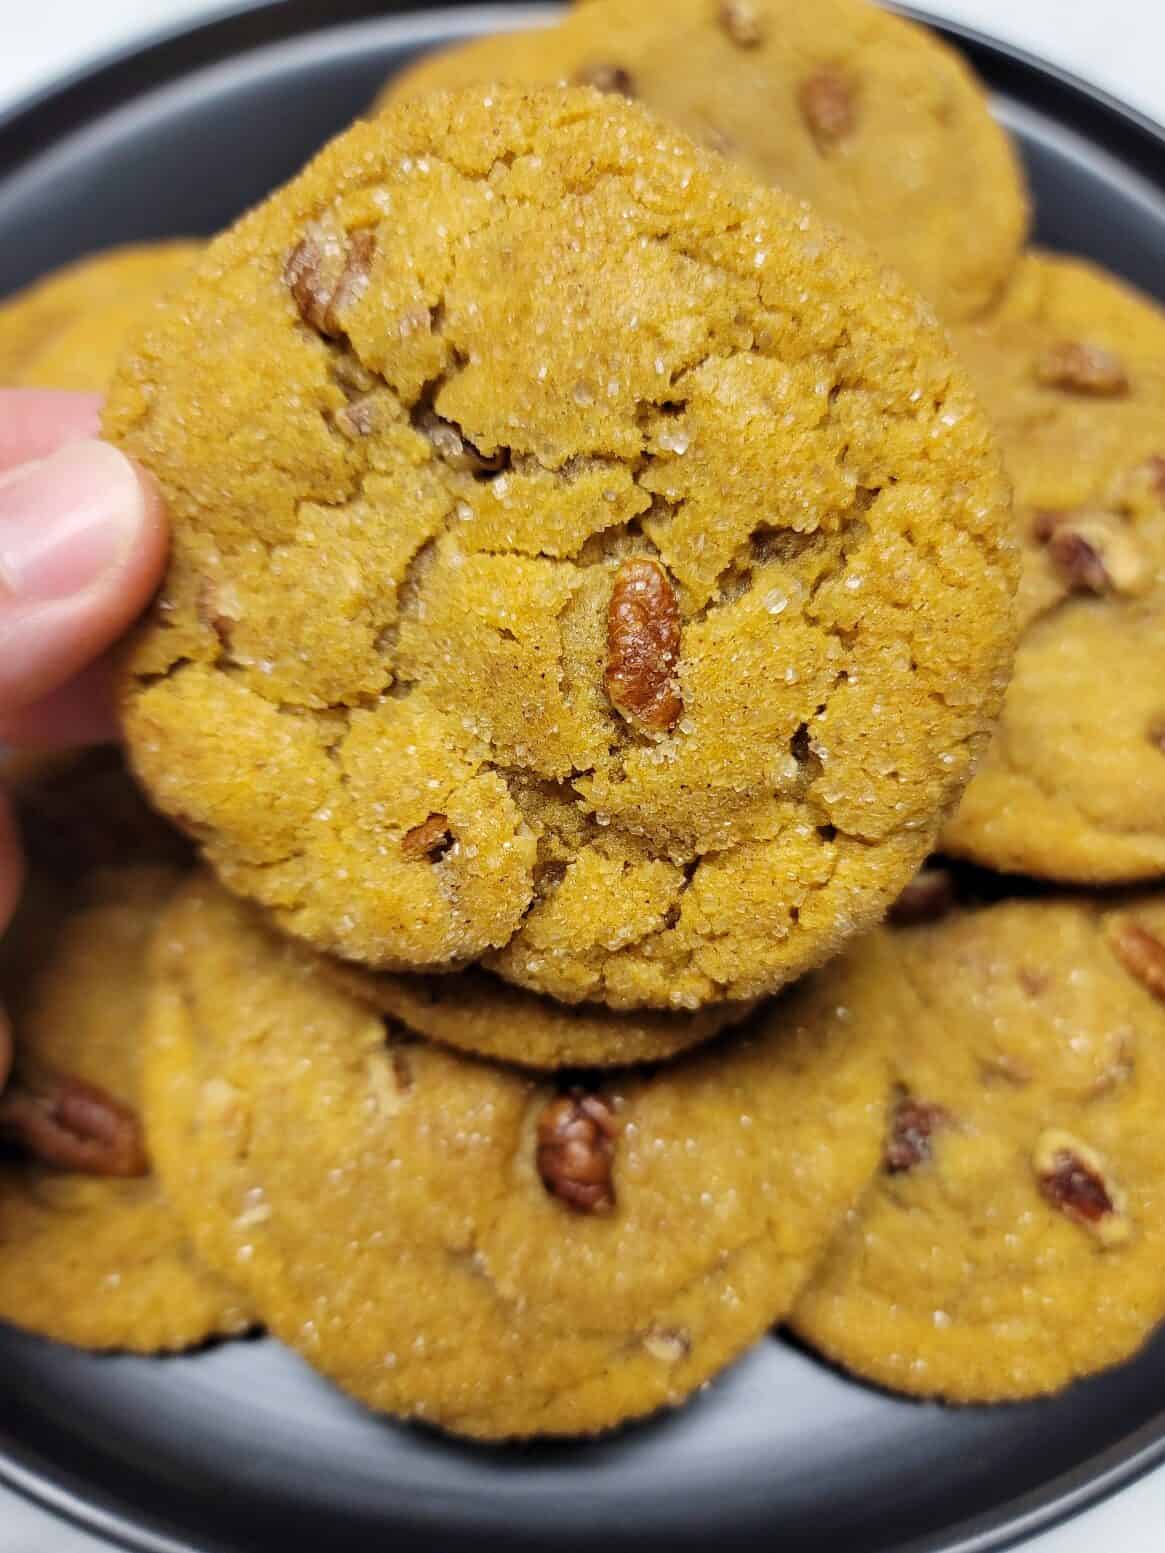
[(67, 521)]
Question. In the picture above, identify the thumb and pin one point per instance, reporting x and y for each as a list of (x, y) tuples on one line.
[(82, 543)]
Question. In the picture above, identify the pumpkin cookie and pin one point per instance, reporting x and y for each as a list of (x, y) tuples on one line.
[(80, 810), (454, 1241), (478, 1013), (1015, 1240), (68, 330), (1073, 787), (874, 121), (90, 1251), (577, 553)]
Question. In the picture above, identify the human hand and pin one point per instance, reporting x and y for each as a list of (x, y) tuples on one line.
[(82, 546)]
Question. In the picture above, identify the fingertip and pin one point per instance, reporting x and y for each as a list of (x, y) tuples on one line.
[(81, 712), (147, 555), (83, 540), (36, 422)]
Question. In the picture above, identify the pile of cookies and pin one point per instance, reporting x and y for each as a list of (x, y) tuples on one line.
[(592, 590)]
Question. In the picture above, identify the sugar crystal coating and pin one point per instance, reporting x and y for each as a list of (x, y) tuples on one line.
[(413, 417)]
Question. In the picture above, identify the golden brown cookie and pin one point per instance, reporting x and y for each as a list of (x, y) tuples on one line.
[(454, 1241), (68, 330), (578, 553), (1014, 1240), (478, 1013), (1073, 788), (91, 1252), (874, 121), (80, 810)]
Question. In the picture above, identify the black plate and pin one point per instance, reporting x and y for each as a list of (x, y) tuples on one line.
[(242, 1448)]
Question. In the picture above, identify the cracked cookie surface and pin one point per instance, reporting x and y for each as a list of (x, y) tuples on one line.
[(97, 1260), (874, 121), (455, 1241), (1014, 1240), (1072, 368), (578, 554), (69, 329)]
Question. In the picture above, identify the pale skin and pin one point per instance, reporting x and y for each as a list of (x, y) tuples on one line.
[(82, 547)]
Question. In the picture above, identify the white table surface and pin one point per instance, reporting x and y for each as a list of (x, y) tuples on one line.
[(1118, 44)]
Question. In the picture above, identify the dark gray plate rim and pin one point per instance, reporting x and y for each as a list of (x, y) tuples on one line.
[(38, 121)]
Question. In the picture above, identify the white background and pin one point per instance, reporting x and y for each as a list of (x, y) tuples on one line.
[(1118, 44)]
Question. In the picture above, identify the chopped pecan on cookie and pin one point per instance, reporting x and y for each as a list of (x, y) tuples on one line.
[(327, 272), (928, 896), (432, 838), (576, 1150), (1142, 953), (741, 20), (829, 108), (64, 1122), (1093, 552), (606, 78), (910, 1142), (1078, 368), (1075, 1179), (452, 446), (668, 1344), (643, 645)]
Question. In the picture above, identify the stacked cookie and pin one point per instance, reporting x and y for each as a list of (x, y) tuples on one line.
[(873, 120), (592, 589), (68, 330), (984, 1240), (589, 570), (1012, 1243), (90, 1247)]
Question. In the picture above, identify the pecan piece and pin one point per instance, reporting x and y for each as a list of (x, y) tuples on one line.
[(358, 419), (576, 1151), (432, 838), (454, 448), (668, 1344), (741, 20), (643, 645), (1076, 1181), (1142, 953), (1078, 368), (351, 375), (1078, 562), (219, 609), (606, 78), (326, 273), (1157, 734), (913, 1124), (1034, 983), (68, 1124), (827, 104), (1093, 552), (928, 896)]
